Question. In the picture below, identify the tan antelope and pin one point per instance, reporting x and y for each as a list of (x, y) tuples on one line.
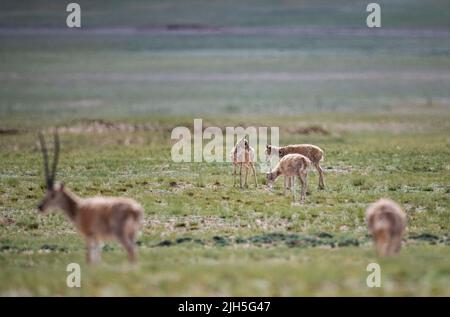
[(313, 152), (97, 218), (292, 165), (386, 222), (243, 155)]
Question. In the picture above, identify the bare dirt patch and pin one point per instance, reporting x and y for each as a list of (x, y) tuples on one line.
[(4, 131), (180, 186), (103, 126), (6, 221), (314, 129)]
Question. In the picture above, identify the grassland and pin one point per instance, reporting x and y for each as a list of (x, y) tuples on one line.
[(204, 237), (381, 101)]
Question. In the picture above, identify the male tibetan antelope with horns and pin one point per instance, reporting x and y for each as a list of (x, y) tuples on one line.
[(243, 155), (97, 218), (386, 222)]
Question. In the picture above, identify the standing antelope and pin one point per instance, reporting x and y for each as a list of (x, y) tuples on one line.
[(292, 165), (387, 222), (314, 153), (97, 218), (243, 155)]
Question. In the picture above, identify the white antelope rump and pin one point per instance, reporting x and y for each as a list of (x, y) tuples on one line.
[(97, 218), (292, 165), (386, 222), (313, 152), (243, 155)]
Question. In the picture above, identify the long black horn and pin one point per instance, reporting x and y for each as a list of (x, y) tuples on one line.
[(48, 181), (56, 155)]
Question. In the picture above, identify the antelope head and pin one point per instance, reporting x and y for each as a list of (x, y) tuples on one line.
[(242, 143), (268, 152), (53, 196)]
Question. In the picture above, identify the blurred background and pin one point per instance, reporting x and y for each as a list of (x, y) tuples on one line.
[(377, 101), (135, 59)]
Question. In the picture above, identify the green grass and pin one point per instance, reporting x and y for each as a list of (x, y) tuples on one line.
[(200, 271), (383, 97), (204, 237)]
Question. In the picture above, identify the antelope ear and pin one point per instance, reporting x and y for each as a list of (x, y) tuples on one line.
[(267, 146)]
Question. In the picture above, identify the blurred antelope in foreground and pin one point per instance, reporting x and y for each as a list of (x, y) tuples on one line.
[(314, 153), (292, 165), (98, 218), (243, 155), (387, 223)]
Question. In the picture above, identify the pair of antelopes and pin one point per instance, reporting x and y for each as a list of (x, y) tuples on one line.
[(295, 161), (386, 220), (105, 218)]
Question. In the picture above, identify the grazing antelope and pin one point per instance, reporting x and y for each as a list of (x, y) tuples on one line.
[(243, 155), (387, 222), (292, 165), (97, 218), (314, 153)]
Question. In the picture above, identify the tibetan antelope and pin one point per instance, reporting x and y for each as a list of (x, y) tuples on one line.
[(386, 222), (97, 218), (243, 155), (292, 165), (314, 153)]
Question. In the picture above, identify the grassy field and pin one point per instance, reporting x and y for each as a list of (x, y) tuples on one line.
[(381, 102), (204, 237)]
